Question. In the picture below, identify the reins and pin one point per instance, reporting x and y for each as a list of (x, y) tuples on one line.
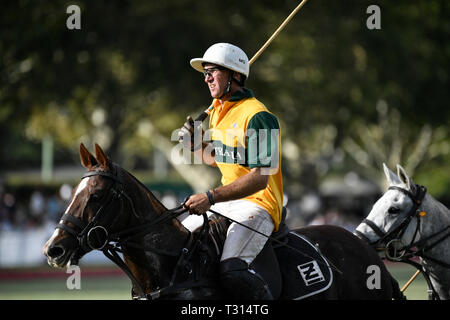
[(112, 244), (279, 242), (407, 253), (415, 212), (400, 228), (118, 240), (122, 237)]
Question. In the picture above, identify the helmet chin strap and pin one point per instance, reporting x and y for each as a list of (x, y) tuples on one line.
[(228, 88)]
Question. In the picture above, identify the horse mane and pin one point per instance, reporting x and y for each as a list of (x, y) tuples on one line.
[(436, 205), (153, 199)]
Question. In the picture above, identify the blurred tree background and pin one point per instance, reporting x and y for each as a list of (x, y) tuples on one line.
[(348, 98)]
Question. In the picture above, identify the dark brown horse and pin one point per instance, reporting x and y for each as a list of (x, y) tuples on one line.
[(110, 210)]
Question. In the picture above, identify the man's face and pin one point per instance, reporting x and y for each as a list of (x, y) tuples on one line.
[(216, 78)]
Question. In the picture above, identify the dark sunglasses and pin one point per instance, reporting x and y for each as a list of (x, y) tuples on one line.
[(210, 71)]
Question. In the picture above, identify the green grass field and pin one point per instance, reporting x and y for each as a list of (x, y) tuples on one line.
[(402, 273), (97, 283), (111, 284)]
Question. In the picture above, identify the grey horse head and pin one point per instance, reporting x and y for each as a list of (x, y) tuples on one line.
[(391, 209), (406, 217)]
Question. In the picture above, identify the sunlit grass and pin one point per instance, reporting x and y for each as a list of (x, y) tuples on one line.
[(118, 287)]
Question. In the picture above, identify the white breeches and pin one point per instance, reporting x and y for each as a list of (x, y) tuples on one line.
[(240, 242)]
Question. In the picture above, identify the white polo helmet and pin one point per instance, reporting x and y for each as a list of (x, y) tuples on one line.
[(225, 55)]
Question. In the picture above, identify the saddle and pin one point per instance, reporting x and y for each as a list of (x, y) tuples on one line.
[(305, 271), (291, 264)]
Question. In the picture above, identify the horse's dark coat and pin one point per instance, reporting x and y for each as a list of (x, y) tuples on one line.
[(154, 268)]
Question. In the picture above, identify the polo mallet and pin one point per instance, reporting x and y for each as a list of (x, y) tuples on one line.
[(410, 280), (205, 113)]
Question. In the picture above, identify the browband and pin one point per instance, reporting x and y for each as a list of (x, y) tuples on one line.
[(101, 173)]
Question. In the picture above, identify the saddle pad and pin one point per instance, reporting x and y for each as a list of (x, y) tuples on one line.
[(306, 274)]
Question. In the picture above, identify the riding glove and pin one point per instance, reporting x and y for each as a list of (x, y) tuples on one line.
[(191, 134)]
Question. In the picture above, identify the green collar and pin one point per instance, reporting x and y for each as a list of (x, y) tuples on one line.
[(241, 94)]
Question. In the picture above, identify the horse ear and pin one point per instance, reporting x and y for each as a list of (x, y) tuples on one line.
[(404, 178), (87, 159), (390, 176), (102, 158)]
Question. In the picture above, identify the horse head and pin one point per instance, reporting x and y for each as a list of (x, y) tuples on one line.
[(111, 211), (87, 221), (390, 224)]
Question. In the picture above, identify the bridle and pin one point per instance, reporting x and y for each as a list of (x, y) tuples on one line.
[(94, 235), (394, 235), (407, 253)]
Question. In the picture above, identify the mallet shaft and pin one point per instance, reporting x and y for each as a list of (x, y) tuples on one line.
[(281, 27), (205, 113), (410, 280)]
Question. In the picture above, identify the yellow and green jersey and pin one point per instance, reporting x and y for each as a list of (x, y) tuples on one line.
[(245, 135)]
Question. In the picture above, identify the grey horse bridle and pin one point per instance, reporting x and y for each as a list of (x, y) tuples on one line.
[(392, 236), (406, 253)]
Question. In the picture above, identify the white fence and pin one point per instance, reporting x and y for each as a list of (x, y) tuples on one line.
[(23, 248)]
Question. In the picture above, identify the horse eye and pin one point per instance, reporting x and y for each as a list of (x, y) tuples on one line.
[(394, 210)]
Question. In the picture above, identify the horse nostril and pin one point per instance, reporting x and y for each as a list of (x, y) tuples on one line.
[(55, 252)]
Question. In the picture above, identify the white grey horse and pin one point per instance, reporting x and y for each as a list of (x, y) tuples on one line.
[(408, 222)]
